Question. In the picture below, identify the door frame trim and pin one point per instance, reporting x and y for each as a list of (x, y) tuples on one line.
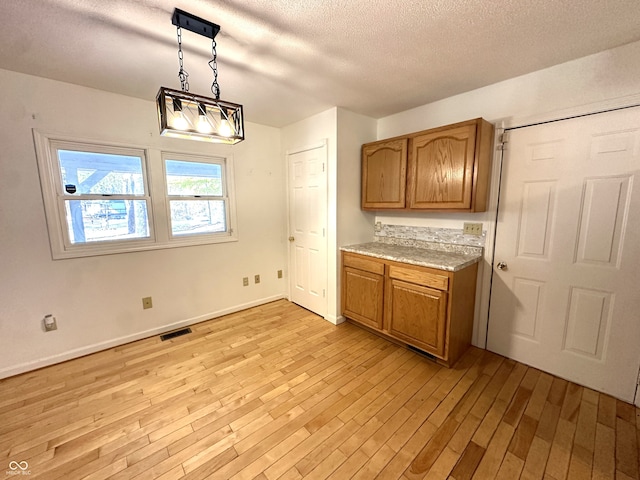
[(570, 113), (306, 148)]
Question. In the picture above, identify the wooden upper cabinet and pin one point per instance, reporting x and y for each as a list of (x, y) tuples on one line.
[(447, 169), (441, 169), (384, 174)]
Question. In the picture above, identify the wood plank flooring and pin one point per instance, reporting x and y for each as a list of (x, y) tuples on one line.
[(277, 392)]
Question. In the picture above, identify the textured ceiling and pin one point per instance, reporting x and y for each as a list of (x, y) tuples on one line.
[(288, 59)]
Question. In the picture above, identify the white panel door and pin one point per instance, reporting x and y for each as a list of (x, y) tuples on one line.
[(566, 282), (308, 224)]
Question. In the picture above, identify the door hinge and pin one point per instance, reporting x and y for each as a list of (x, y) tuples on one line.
[(324, 293), (324, 233), (503, 139), (638, 379), (323, 167)]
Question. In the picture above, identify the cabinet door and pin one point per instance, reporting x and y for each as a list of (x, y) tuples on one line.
[(362, 296), (417, 315), (441, 169), (384, 174)]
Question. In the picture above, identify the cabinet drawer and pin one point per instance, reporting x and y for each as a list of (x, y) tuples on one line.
[(363, 263), (441, 282)]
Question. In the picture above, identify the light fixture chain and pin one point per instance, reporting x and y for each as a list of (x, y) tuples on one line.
[(215, 88), (182, 74)]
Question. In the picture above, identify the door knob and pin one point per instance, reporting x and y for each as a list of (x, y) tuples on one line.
[(501, 266), (291, 238)]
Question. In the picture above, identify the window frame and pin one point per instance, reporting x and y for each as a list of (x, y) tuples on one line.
[(57, 145), (227, 197), (156, 196)]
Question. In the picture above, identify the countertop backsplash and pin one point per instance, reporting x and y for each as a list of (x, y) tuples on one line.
[(444, 239)]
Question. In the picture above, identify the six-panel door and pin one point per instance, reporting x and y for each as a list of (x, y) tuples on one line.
[(565, 299)]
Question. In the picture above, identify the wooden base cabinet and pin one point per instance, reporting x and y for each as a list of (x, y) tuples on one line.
[(410, 307), (426, 308), (363, 291)]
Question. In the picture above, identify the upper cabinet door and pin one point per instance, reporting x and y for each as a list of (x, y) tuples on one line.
[(441, 169), (384, 174)]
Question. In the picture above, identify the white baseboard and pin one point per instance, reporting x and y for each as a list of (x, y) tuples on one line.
[(334, 319), (82, 351)]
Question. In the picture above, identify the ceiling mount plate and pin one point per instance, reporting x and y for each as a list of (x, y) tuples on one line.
[(195, 24)]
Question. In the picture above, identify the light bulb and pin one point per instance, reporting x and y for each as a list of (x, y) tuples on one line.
[(203, 125), (179, 122), (225, 128)]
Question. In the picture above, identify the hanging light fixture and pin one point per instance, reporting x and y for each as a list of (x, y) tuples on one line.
[(183, 114)]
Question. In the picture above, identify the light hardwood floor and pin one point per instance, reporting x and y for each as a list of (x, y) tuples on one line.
[(277, 392)]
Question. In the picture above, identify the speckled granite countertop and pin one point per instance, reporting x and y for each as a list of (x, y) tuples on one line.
[(426, 257)]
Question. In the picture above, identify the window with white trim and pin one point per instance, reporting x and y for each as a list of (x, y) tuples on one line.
[(102, 193), (197, 195), (100, 199)]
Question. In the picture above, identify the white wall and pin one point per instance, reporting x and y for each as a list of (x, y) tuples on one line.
[(353, 224), (578, 86), (97, 300)]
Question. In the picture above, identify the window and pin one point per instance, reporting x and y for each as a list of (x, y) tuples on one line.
[(102, 199), (197, 194), (104, 194)]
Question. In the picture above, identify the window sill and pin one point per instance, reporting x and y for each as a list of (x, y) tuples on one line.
[(95, 251)]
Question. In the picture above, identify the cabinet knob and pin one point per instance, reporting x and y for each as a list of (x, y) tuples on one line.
[(291, 238), (501, 266)]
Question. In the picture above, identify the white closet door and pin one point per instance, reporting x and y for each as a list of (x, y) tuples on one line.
[(307, 226), (566, 283)]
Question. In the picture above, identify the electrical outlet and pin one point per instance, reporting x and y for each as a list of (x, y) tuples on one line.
[(257, 279), (245, 281), (279, 273), (147, 303), (50, 323), (472, 228)]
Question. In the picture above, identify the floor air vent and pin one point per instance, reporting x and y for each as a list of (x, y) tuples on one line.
[(421, 352), (177, 333)]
